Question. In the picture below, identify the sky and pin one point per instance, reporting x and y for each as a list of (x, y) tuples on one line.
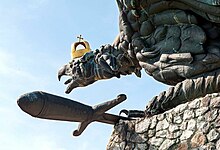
[(35, 40)]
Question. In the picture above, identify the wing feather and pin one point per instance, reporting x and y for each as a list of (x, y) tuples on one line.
[(211, 2)]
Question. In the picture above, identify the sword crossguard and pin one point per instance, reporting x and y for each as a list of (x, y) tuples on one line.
[(100, 115)]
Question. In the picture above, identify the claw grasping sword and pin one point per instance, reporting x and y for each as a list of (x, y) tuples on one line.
[(47, 106)]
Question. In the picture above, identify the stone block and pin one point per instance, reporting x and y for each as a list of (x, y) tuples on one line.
[(211, 115), (201, 111), (188, 114), (199, 139), (143, 125), (177, 120), (162, 133), (215, 102), (194, 104), (186, 135), (162, 125), (191, 125), (213, 135), (156, 141), (167, 144), (183, 146)]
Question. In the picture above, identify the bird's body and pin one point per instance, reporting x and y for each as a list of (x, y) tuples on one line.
[(176, 42)]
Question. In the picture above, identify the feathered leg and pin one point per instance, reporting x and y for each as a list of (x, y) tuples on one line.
[(185, 91)]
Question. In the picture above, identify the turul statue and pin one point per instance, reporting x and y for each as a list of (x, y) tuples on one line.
[(177, 42)]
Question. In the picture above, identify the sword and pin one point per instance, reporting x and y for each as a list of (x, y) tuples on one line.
[(47, 106)]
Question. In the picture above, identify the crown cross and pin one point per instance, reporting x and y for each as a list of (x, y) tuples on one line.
[(80, 38)]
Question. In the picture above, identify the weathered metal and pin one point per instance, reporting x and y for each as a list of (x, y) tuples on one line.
[(210, 2), (177, 42), (47, 106)]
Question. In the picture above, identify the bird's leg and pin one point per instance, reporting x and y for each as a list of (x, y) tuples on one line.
[(185, 91)]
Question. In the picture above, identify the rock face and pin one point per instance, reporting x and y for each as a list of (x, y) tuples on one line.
[(194, 125)]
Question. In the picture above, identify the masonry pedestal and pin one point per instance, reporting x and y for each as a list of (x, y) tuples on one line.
[(191, 126)]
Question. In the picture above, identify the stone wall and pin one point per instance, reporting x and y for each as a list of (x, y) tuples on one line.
[(191, 126)]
